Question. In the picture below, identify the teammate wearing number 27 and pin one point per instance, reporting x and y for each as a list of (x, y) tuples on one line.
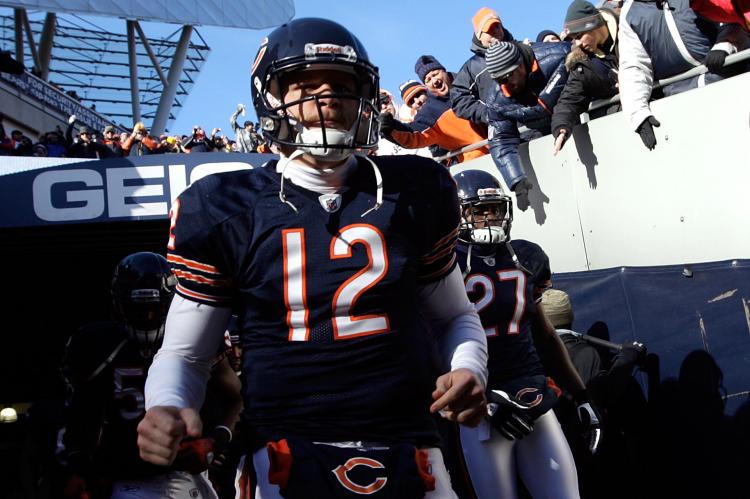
[(504, 279), (342, 270)]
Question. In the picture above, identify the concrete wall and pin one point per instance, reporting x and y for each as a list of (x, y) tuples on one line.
[(607, 201)]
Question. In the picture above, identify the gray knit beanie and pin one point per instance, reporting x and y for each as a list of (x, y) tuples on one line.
[(502, 58)]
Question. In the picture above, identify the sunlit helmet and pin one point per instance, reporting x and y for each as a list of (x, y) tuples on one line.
[(486, 210), (308, 44), (142, 289)]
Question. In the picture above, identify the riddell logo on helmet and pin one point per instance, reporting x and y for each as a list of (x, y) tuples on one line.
[(313, 50)]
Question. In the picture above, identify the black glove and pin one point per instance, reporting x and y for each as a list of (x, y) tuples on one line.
[(387, 124), (508, 417), (590, 422), (714, 60), (633, 352), (646, 131)]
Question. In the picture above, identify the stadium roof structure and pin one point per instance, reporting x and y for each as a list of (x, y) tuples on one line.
[(123, 79), (245, 14)]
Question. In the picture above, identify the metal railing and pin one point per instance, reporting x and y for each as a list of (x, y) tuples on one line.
[(696, 71)]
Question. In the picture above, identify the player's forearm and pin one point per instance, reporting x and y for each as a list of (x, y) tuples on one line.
[(181, 368), (460, 335)]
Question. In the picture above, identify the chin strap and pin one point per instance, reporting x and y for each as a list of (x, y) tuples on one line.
[(468, 261), (287, 161), (515, 259), (299, 152), (378, 187)]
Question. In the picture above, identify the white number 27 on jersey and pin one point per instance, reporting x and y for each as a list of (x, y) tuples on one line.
[(345, 325)]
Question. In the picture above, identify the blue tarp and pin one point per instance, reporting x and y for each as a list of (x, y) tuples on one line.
[(672, 314)]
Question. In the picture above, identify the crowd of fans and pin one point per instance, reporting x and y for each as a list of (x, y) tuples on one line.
[(112, 143)]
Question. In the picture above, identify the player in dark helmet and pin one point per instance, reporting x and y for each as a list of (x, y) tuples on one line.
[(316, 45), (332, 262), (105, 365), (142, 289), (504, 278)]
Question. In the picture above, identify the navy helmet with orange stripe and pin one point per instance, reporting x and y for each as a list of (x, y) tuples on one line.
[(310, 44), (142, 289)]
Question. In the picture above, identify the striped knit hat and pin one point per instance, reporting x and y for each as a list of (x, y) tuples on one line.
[(409, 89), (502, 58)]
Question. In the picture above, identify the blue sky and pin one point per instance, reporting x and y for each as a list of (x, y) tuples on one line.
[(394, 32)]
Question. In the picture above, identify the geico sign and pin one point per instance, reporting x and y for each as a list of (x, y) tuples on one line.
[(113, 186)]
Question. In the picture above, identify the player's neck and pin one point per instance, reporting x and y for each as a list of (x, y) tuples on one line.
[(323, 180)]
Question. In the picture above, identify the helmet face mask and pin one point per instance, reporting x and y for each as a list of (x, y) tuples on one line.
[(320, 51), (142, 290), (486, 222), (486, 211)]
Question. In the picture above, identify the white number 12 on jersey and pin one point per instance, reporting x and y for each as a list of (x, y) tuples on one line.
[(345, 325)]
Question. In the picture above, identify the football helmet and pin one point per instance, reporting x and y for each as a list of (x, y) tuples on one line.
[(308, 44), (142, 289), (486, 210)]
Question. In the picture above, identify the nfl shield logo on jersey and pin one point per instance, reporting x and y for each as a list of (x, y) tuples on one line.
[(330, 202)]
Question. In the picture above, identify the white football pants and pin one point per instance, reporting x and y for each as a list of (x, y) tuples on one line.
[(542, 459)]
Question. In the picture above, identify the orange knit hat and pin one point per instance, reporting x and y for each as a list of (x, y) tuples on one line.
[(483, 20)]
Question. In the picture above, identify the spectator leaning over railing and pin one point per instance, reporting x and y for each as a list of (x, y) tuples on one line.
[(547, 36), (139, 142), (434, 76), (472, 83), (660, 39), (528, 81), (435, 124), (248, 139), (724, 11), (592, 66)]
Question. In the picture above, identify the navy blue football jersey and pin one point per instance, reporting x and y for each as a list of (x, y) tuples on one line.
[(505, 298), (108, 374), (334, 347)]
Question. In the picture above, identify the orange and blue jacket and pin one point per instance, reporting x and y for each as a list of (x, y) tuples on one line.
[(437, 125)]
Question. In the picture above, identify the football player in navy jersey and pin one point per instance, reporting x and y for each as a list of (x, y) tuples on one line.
[(105, 365), (342, 270), (505, 279)]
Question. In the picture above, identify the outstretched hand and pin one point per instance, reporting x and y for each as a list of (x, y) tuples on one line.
[(646, 131), (459, 397), (162, 430), (562, 137)]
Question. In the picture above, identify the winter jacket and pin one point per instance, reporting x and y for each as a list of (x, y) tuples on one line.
[(649, 52), (547, 74), (724, 11), (472, 84), (437, 124), (143, 147), (590, 77)]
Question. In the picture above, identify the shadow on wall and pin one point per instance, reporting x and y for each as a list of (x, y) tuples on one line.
[(585, 150), (537, 197)]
